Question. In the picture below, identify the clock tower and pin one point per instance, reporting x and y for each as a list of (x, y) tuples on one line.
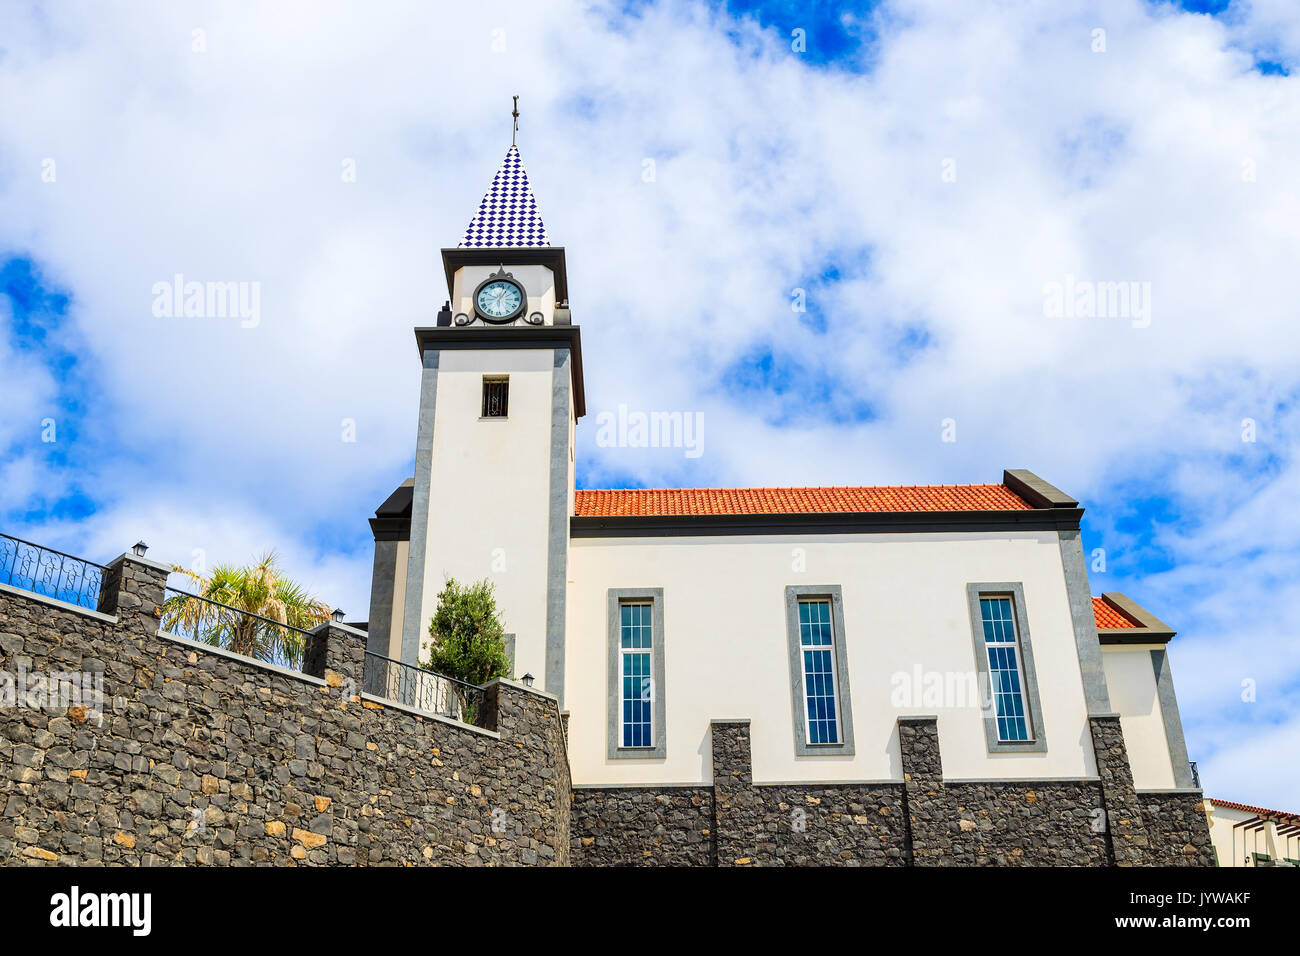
[(500, 395)]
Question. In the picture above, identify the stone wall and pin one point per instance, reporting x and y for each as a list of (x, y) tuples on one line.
[(642, 826), (921, 821), (204, 757), (799, 825), (1177, 828), (1001, 823)]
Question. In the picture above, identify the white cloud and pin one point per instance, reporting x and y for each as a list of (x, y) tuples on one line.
[(1132, 164)]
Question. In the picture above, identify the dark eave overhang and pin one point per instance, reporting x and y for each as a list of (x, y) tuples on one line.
[(392, 520), (399, 502), (550, 256), (875, 522), (1150, 629), (391, 529), (444, 338)]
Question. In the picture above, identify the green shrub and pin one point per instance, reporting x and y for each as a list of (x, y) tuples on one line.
[(468, 642)]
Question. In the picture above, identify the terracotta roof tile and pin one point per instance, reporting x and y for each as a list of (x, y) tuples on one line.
[(1109, 616), (610, 502)]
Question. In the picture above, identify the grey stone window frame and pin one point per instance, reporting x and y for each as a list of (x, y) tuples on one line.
[(1016, 592), (794, 593), (617, 598)]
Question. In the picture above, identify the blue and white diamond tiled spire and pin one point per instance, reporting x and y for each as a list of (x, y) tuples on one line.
[(507, 216)]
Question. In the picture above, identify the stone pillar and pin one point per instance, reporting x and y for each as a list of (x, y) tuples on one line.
[(918, 746), (383, 580), (337, 650), (132, 589), (510, 707), (531, 718), (1178, 829), (734, 799), (1124, 824), (489, 707)]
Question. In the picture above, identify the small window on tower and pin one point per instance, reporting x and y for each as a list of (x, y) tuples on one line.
[(496, 396)]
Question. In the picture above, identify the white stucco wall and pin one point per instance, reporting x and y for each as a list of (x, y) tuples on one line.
[(1131, 681), (1235, 845), (488, 515), (1231, 846), (726, 648)]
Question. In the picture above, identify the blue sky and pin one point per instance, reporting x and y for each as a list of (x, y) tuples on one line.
[(920, 171)]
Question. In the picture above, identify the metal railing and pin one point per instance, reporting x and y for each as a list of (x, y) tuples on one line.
[(1196, 775), (422, 689), (209, 622), (51, 573)]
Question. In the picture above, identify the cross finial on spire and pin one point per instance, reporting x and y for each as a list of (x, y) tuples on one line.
[(515, 114)]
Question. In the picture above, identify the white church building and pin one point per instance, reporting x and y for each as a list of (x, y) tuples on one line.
[(824, 617)]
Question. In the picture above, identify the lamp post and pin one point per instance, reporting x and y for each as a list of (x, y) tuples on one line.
[(337, 614), (139, 548)]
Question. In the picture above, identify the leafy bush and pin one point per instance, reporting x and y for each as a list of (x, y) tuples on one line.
[(469, 642)]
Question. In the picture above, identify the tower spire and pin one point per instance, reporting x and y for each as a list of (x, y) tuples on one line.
[(507, 216), (515, 114)]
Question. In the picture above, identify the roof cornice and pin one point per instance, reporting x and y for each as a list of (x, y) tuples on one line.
[(872, 522), (1150, 629), (447, 338)]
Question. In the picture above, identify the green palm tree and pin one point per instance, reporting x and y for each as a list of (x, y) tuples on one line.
[(237, 594)]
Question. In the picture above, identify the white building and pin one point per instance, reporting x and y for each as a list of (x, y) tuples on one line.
[(821, 615), (1253, 836)]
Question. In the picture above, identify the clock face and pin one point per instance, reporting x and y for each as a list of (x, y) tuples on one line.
[(499, 299)]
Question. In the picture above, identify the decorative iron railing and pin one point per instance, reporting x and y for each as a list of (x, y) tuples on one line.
[(422, 689), (205, 621), (54, 574), (1196, 775)]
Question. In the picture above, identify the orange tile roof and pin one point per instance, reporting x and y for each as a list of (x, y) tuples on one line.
[(646, 502), (1109, 616), (1258, 811)]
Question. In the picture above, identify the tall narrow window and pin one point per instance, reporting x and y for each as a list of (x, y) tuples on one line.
[(819, 670), (637, 725), (496, 396), (1004, 656), (817, 649), (1005, 678), (636, 647)]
